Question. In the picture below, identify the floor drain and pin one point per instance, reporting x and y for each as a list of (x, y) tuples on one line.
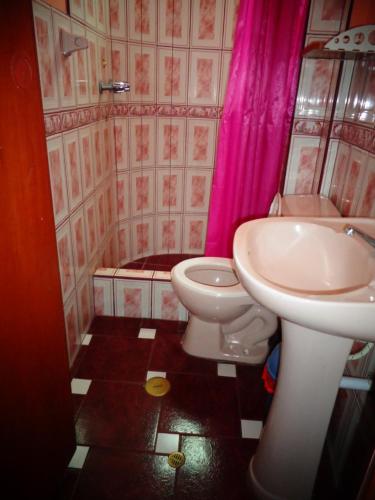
[(176, 459), (157, 386)]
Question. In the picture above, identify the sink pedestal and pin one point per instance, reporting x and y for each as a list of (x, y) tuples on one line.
[(289, 451)]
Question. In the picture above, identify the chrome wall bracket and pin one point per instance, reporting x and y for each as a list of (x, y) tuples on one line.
[(116, 87)]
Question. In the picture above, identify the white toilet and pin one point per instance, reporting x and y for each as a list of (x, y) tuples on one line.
[(225, 323)]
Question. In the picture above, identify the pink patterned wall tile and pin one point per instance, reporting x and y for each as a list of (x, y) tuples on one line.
[(120, 67), (80, 68), (132, 298), (142, 142), (65, 70), (57, 178), (198, 188), (104, 60), (86, 155), (172, 75), (225, 66), (124, 243), (91, 227), (306, 170), (194, 234), (171, 141), (46, 57), (207, 28), (73, 168), (85, 306), (107, 142), (121, 143), (317, 84), (66, 264), (117, 18), (173, 27), (201, 142), (142, 68), (90, 12), (123, 196), (165, 304), (366, 205), (142, 20), (169, 189), (353, 184), (110, 206), (142, 237), (143, 186), (102, 15), (327, 16), (73, 338), (231, 13), (79, 243), (168, 238), (329, 167), (339, 173), (77, 9), (100, 215), (103, 296), (98, 152), (300, 170), (93, 67), (204, 77)]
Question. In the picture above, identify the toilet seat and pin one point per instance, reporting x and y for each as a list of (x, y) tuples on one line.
[(180, 272)]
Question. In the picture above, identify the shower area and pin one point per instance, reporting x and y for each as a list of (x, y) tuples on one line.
[(130, 172), (176, 57)]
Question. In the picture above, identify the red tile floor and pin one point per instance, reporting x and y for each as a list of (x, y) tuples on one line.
[(120, 422)]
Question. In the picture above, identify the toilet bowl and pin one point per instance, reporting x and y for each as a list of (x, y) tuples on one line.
[(225, 323)]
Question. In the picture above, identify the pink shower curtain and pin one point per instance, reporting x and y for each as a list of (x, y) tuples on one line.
[(258, 110)]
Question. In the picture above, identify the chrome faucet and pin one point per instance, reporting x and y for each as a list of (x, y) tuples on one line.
[(352, 231)]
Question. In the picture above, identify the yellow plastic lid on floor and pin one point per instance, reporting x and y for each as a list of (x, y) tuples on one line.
[(176, 459), (157, 386)]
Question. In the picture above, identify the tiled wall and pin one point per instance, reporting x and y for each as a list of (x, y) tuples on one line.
[(176, 55), (80, 141), (348, 172), (136, 294)]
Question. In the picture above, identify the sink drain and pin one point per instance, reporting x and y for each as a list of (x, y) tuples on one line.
[(157, 386), (176, 459)]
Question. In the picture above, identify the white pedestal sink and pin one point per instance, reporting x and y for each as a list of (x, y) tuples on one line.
[(321, 283)]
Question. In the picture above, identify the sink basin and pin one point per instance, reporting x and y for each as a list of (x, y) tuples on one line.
[(308, 271), (321, 282)]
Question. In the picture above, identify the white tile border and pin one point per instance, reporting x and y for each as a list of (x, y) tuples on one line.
[(226, 370), (251, 429), (87, 339), (78, 459), (152, 374), (80, 385), (147, 333), (167, 443)]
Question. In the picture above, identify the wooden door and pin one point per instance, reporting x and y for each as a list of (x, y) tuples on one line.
[(36, 423)]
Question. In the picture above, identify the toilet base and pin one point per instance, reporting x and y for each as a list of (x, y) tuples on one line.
[(205, 340)]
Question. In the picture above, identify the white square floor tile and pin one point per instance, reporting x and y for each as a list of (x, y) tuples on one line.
[(151, 374), (79, 457), (87, 339), (80, 385), (226, 370), (167, 443), (147, 333), (251, 429)]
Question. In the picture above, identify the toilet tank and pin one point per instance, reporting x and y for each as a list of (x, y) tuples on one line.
[(307, 205)]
